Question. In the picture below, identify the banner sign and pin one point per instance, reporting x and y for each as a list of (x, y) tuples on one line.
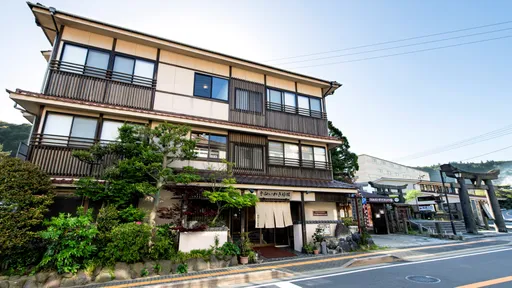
[(380, 200), (270, 194), (319, 213)]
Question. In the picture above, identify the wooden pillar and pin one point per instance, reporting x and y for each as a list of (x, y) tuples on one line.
[(303, 219), (467, 213), (401, 196), (495, 206)]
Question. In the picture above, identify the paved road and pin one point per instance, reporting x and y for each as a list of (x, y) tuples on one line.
[(451, 272)]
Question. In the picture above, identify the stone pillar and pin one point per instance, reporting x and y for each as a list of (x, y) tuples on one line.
[(467, 213), (498, 217)]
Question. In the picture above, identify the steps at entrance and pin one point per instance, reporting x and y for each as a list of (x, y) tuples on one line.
[(446, 226)]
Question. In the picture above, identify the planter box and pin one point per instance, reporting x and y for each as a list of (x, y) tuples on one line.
[(201, 240)]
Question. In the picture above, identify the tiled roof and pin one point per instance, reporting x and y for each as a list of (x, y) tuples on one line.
[(182, 116), (297, 182)]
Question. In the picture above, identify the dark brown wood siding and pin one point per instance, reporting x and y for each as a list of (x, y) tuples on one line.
[(298, 172), (296, 123), (256, 118)]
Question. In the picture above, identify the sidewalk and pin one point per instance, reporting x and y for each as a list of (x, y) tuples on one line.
[(402, 240), (286, 268)]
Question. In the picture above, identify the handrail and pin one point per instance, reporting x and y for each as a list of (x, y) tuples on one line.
[(293, 162), (65, 141), (296, 110), (111, 75)]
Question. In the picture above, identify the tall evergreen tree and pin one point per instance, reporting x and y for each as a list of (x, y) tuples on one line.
[(344, 162)]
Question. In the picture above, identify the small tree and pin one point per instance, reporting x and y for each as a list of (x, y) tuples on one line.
[(25, 195), (413, 195), (344, 162), (224, 194), (144, 155)]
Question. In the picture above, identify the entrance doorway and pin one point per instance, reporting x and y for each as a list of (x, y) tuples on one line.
[(278, 237)]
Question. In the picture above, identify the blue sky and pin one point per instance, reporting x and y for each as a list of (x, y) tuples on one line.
[(389, 107)]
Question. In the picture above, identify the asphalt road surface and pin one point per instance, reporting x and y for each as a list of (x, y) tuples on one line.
[(450, 271)]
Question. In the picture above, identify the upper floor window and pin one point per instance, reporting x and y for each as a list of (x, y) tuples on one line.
[(210, 146), (133, 70), (248, 157), (63, 129), (248, 101), (89, 61), (288, 154), (292, 103), (210, 87)]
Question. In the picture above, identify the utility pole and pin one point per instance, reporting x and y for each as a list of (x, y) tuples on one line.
[(448, 203)]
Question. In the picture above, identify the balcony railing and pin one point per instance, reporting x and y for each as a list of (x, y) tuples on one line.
[(294, 119), (296, 110), (299, 168), (74, 81), (54, 155)]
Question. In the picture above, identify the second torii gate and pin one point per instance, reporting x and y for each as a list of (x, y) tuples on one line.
[(384, 189), (476, 180)]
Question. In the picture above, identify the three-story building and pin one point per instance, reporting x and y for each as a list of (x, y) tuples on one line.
[(271, 123)]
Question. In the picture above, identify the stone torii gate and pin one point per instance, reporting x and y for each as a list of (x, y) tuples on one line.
[(383, 189), (476, 180)]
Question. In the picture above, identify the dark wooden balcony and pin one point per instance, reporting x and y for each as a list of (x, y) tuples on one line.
[(54, 155), (299, 168), (296, 119), (91, 84)]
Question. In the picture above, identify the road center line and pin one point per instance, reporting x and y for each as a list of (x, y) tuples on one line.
[(487, 283)]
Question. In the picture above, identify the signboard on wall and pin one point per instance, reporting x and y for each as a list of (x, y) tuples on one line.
[(380, 200), (320, 213), (429, 208), (271, 194)]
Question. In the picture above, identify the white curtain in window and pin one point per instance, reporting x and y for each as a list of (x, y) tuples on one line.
[(57, 128), (110, 130)]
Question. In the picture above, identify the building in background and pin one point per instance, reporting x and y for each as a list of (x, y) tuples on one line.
[(389, 173)]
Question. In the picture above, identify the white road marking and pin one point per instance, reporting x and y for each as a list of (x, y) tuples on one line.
[(380, 267), (286, 285)]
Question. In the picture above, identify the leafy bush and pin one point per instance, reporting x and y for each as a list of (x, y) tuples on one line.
[(309, 247), (252, 257), (144, 272), (201, 253), (70, 242), (129, 243), (132, 214), (182, 269), (107, 219), (348, 221), (162, 248), (25, 195), (229, 249)]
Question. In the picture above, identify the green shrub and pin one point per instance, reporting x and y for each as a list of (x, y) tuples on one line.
[(132, 214), (229, 249), (26, 193), (348, 221), (129, 243), (162, 248), (144, 272), (252, 257), (201, 253), (70, 242), (182, 269), (107, 219)]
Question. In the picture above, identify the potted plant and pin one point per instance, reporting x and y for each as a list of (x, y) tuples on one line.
[(351, 224), (308, 248), (245, 248), (318, 237)]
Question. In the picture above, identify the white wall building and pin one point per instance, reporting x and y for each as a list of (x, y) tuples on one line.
[(386, 172)]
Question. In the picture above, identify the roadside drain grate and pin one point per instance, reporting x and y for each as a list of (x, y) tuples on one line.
[(423, 279)]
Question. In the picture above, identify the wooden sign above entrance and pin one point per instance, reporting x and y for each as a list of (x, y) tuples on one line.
[(270, 194), (319, 213)]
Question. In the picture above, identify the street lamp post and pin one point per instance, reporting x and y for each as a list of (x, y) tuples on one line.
[(448, 203)]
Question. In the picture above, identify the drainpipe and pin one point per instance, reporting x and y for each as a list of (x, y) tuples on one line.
[(55, 49)]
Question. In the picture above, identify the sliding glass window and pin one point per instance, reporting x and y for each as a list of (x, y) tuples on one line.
[(133, 70), (84, 60), (210, 146), (69, 130), (211, 87), (290, 102)]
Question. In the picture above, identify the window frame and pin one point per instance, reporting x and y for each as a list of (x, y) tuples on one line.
[(238, 146), (211, 88), (111, 60), (66, 142), (293, 109), (208, 158), (84, 69), (281, 161), (248, 93)]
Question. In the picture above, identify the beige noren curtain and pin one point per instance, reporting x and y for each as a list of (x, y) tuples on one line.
[(273, 215)]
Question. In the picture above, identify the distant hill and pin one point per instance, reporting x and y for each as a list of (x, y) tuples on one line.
[(504, 166), (12, 134)]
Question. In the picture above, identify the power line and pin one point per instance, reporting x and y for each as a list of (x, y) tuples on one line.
[(473, 140), (403, 53), (396, 47), (508, 147), (393, 41)]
